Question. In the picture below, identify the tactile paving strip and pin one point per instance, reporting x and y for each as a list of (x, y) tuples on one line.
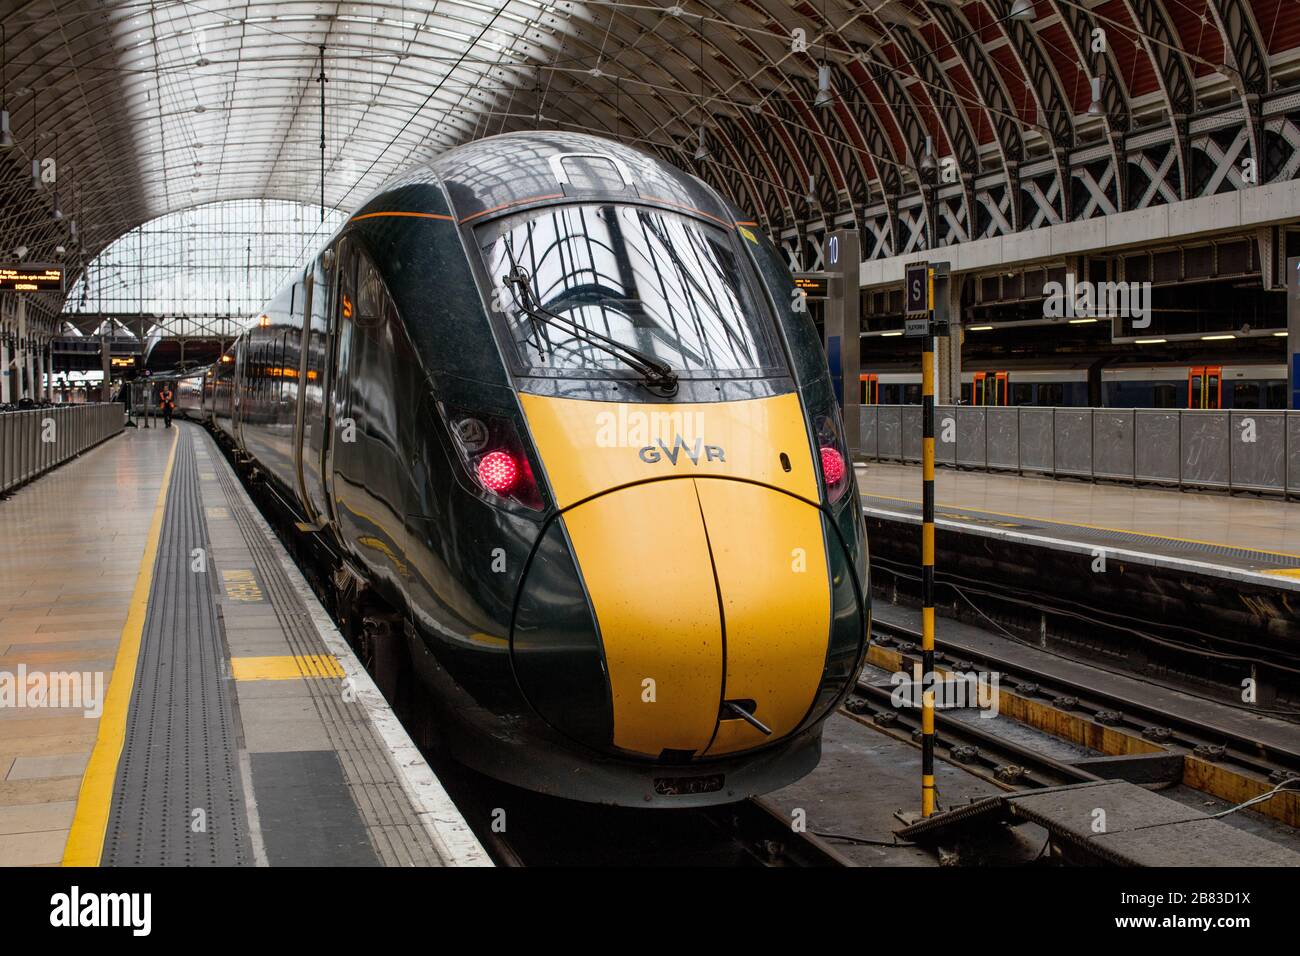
[(1225, 555), (399, 837), (178, 799)]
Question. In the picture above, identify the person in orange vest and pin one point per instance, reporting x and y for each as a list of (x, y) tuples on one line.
[(167, 403)]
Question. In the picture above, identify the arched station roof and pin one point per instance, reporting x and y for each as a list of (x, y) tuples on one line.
[(150, 107)]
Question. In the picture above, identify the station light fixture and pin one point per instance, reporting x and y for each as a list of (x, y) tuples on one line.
[(1217, 338), (928, 164), (979, 328), (889, 335), (1082, 321), (20, 252), (6, 135), (37, 185), (1095, 108), (1150, 341), (1281, 335), (1022, 10), (701, 150), (824, 95)]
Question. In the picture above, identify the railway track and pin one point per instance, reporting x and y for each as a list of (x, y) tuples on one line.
[(538, 830), (1002, 762), (1225, 762)]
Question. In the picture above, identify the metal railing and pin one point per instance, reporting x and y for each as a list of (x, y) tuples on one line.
[(34, 440), (142, 410), (1231, 450)]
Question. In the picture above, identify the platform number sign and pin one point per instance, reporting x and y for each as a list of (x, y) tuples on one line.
[(916, 283)]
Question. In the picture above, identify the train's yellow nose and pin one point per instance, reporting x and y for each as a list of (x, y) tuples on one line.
[(710, 594)]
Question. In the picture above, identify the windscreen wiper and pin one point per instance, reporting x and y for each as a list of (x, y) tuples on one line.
[(656, 373)]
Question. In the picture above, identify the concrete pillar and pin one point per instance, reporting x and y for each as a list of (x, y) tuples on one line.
[(1293, 331), (21, 370), (843, 331), (33, 382), (4, 372), (949, 347), (106, 356)]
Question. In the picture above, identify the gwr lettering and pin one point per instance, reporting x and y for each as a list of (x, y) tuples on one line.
[(652, 454)]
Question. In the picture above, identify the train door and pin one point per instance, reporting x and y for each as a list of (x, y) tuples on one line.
[(342, 455), (870, 389), (990, 388), (1205, 386), (237, 386)]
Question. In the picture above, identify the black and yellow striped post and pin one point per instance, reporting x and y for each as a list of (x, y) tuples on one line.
[(927, 558)]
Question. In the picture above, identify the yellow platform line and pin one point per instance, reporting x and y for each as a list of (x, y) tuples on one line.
[(1285, 572), (95, 799), (1092, 527), (290, 667)]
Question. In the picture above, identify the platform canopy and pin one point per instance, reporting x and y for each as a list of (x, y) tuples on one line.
[(923, 123)]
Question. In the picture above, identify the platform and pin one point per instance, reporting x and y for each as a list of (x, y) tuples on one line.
[(212, 715), (1244, 538)]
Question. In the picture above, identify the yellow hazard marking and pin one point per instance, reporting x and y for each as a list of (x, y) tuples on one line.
[(89, 823), (748, 235), (1285, 572), (241, 585), (290, 667)]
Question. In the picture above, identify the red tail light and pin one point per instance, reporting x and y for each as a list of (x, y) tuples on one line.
[(836, 472), (494, 460), (832, 466), (498, 471)]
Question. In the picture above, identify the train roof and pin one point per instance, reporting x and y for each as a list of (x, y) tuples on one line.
[(510, 170)]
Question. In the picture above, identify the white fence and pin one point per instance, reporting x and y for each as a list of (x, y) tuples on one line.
[(1238, 449)]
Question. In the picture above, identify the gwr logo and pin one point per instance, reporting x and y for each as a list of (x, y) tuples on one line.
[(657, 452)]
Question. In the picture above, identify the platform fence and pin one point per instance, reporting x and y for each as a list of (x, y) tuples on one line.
[(34, 440), (1230, 450)]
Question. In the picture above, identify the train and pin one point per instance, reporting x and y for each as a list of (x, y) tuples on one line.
[(1206, 386), (547, 415)]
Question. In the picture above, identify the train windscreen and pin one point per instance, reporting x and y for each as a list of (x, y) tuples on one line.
[(669, 286)]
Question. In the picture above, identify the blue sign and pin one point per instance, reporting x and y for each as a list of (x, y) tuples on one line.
[(836, 365)]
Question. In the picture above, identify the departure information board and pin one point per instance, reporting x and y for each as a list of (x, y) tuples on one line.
[(814, 285), (30, 277)]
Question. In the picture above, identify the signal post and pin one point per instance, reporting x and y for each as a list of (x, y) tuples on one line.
[(926, 304)]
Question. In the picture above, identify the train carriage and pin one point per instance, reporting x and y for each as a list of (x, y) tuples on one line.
[(548, 409)]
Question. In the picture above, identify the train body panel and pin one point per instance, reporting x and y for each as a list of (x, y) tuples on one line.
[(461, 440), (1211, 386)]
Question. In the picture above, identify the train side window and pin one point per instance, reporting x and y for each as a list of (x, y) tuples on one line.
[(1276, 392), (1164, 395), (1022, 394), (1245, 395), (370, 294), (1051, 393)]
